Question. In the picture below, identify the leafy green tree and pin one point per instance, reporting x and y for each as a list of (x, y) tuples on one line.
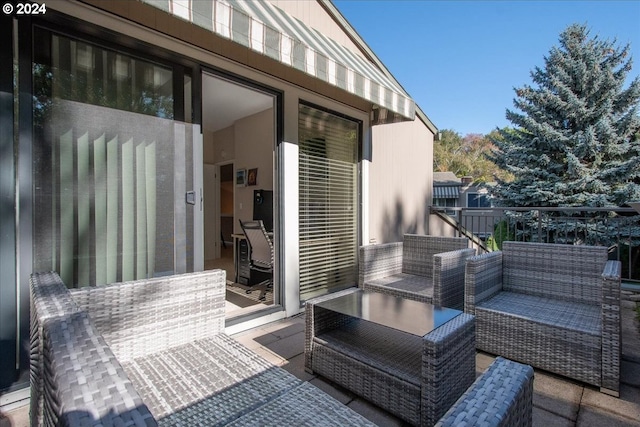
[(466, 156), (448, 153), (576, 140)]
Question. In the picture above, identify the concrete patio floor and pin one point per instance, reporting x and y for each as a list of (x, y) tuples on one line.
[(557, 401)]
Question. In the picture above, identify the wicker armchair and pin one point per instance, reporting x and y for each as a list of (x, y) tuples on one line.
[(555, 307), (422, 268)]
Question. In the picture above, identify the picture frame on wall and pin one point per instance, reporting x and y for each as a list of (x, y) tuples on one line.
[(252, 177), (241, 177)]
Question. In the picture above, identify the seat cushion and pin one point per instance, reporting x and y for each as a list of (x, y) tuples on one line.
[(552, 312), (403, 284), (214, 379), (555, 335)]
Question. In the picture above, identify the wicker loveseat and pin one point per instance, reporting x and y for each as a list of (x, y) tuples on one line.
[(553, 306), (154, 352), (421, 268)]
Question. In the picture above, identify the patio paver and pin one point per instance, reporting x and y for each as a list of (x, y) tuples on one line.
[(557, 395), (548, 419)]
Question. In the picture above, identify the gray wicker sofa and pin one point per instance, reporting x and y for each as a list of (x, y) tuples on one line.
[(422, 268), (553, 306), (154, 352)]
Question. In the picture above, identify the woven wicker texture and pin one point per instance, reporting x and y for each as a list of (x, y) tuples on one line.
[(143, 317), (180, 364), (567, 272), (178, 384), (501, 397), (423, 268), (398, 354), (555, 307), (49, 298), (448, 366), (415, 378), (91, 388)]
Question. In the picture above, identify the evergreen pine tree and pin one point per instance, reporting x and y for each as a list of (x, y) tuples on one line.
[(576, 140)]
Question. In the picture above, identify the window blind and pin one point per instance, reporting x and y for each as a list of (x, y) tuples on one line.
[(328, 197)]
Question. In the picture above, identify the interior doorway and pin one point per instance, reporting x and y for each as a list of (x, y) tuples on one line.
[(239, 134)]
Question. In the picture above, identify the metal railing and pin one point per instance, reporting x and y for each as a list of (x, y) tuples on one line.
[(616, 228)]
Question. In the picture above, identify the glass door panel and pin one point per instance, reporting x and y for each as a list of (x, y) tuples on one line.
[(328, 197), (111, 168)]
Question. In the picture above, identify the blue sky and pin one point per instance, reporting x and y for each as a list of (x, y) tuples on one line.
[(460, 60)]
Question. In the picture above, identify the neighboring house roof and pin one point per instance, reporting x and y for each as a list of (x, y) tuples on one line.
[(446, 185), (446, 178)]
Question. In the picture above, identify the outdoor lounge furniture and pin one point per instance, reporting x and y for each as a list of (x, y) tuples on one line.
[(555, 307), (154, 352), (408, 357), (501, 396), (422, 268)]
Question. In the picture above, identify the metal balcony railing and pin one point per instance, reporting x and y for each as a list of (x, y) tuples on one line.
[(616, 228)]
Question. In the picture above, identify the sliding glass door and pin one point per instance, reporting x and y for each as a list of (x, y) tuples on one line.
[(115, 193), (328, 197)]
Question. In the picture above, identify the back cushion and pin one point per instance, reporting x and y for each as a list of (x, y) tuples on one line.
[(418, 251), (145, 316), (567, 272)]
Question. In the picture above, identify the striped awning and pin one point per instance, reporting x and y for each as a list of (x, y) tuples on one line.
[(446, 192), (270, 31)]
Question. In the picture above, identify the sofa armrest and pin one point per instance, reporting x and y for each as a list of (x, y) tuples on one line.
[(483, 278), (145, 316), (86, 384), (448, 277), (501, 396), (377, 261), (611, 328), (49, 298)]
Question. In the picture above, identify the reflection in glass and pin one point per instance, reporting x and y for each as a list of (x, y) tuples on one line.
[(90, 74), (413, 317), (108, 163)]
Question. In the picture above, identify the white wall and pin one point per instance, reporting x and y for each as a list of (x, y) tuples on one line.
[(254, 145), (219, 146)]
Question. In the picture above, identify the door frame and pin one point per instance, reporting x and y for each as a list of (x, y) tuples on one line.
[(212, 189), (218, 189)]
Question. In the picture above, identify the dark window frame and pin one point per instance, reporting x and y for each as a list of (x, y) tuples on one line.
[(63, 25), (481, 200)]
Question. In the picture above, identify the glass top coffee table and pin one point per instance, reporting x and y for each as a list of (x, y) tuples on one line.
[(405, 315), (411, 358)]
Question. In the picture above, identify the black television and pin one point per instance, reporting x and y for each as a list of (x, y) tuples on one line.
[(263, 208)]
